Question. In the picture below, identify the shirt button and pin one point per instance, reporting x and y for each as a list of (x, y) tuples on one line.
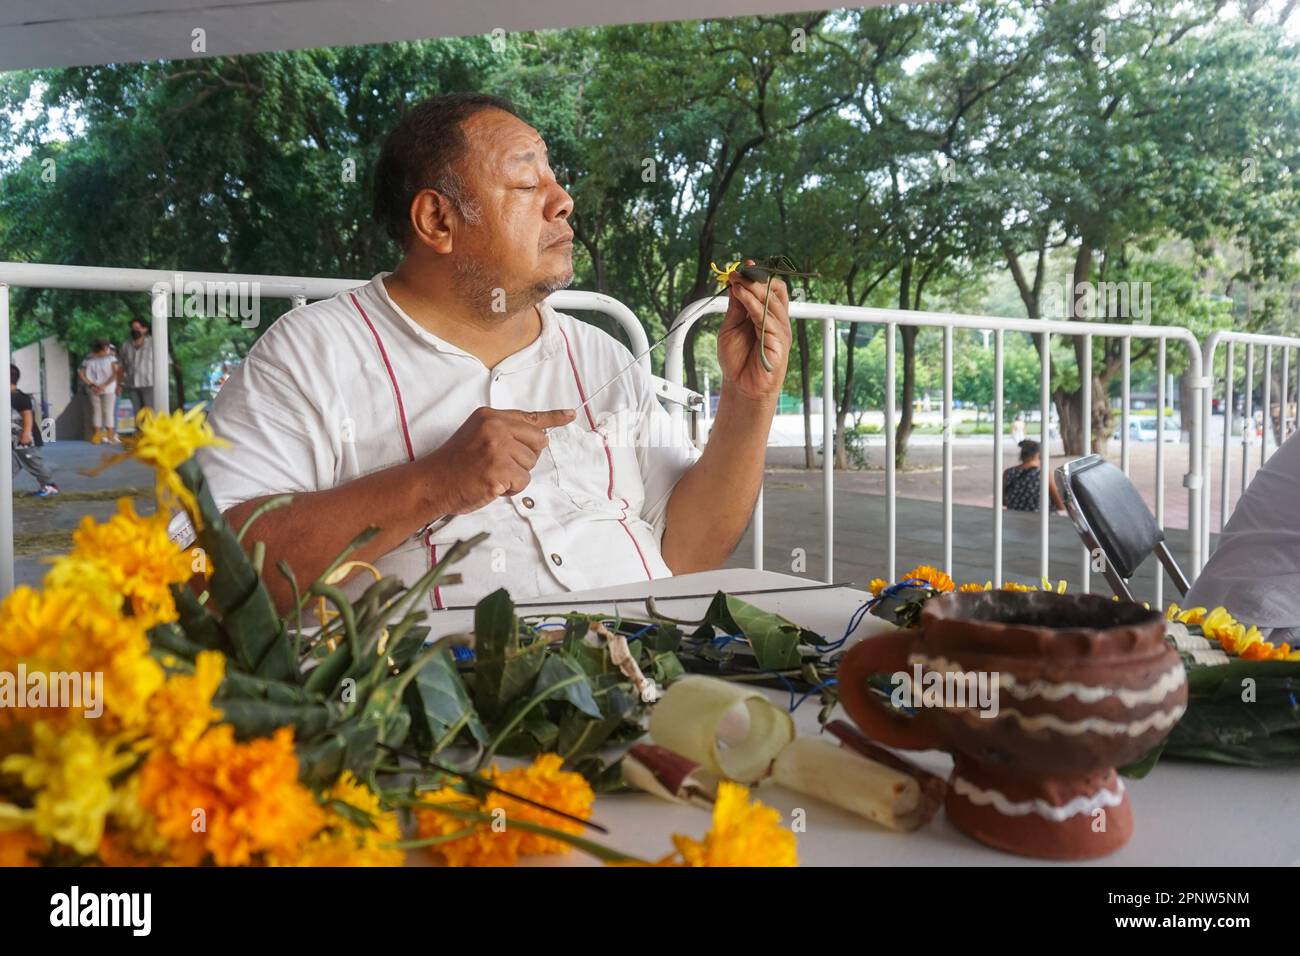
[(527, 502), (557, 559)]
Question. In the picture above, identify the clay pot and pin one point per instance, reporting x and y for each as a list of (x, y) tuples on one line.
[(1076, 685)]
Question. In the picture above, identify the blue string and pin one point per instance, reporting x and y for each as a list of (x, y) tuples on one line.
[(861, 611), (461, 653), (796, 704)]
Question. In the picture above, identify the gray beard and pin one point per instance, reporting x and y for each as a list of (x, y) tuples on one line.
[(482, 293)]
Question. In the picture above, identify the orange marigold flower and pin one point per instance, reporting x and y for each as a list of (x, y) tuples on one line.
[(346, 843), (876, 586), (69, 629), (246, 795), (140, 557), (544, 780), (932, 576), (21, 848), (182, 710)]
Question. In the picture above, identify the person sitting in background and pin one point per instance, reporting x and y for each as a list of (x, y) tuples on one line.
[(99, 373), (1020, 483), (1254, 571), (27, 437)]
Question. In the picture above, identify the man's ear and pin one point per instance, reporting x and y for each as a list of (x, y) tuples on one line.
[(433, 220)]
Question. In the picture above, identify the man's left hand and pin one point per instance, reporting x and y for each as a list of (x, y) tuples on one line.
[(738, 339)]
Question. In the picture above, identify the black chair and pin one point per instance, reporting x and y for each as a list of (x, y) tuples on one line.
[(1111, 518)]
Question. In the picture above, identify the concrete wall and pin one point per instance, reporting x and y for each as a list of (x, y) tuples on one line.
[(46, 373)]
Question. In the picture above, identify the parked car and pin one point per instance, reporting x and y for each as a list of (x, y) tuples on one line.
[(1144, 429)]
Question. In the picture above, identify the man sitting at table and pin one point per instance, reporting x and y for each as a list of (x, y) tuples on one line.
[(446, 398), (1254, 571)]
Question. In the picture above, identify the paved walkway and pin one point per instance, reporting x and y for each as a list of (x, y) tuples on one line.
[(43, 527)]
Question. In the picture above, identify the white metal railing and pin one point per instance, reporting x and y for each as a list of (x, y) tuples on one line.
[(1283, 344), (157, 283), (829, 314)]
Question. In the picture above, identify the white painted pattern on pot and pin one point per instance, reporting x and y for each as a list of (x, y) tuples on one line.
[(1168, 682), (1048, 811), (1160, 719)]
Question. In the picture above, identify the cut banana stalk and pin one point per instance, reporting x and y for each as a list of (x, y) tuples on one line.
[(851, 782)]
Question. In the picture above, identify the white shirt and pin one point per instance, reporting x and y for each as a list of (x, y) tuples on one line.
[(1255, 570), (352, 385), (102, 370)]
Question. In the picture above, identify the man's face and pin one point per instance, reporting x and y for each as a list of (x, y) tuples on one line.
[(522, 243)]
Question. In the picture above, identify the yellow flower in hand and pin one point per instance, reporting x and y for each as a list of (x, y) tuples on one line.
[(722, 275)]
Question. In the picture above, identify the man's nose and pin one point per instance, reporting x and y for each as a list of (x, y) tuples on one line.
[(562, 204)]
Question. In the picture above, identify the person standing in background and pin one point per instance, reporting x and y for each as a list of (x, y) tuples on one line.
[(99, 372), (27, 437), (136, 356), (1018, 428)]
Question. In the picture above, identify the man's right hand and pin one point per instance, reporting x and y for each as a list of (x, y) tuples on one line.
[(490, 455)]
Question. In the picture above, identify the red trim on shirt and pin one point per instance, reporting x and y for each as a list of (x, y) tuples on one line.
[(397, 391), (608, 457), (401, 414)]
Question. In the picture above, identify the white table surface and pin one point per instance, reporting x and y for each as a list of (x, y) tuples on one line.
[(1184, 813)]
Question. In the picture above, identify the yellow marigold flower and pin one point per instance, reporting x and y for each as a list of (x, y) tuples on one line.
[(876, 586), (67, 629), (246, 796), (722, 275), (932, 576), (131, 837), (544, 780), (165, 442), (1013, 586), (479, 844), (70, 771), (1192, 615), (345, 843), (21, 848), (973, 588), (141, 559), (94, 576), (743, 834), (182, 710)]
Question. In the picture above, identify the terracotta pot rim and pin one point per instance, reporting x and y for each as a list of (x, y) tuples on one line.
[(1014, 621)]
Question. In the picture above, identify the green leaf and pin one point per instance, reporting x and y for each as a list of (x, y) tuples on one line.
[(260, 718), (504, 670), (248, 619), (442, 702), (580, 734), (774, 640), (603, 777), (534, 734), (557, 668)]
